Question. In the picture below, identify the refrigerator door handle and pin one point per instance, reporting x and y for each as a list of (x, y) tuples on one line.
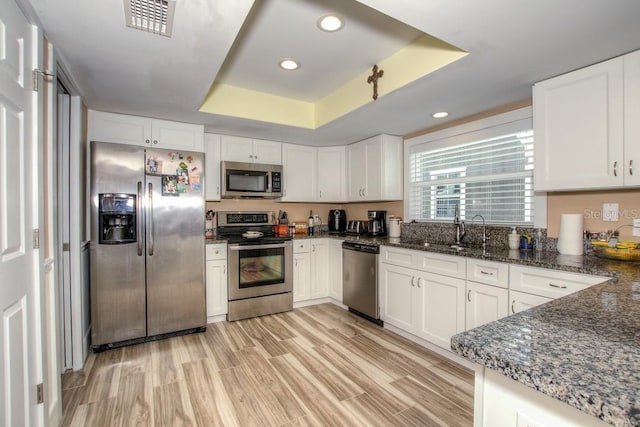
[(150, 218), (139, 218)]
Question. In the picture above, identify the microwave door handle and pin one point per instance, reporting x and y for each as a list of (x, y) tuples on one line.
[(150, 218), (139, 218)]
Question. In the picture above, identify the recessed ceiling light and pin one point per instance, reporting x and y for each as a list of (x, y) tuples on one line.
[(439, 114), (289, 64), (330, 23)]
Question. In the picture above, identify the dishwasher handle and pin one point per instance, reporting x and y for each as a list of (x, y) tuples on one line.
[(371, 248)]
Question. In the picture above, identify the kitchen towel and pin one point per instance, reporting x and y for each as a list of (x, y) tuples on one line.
[(570, 236)]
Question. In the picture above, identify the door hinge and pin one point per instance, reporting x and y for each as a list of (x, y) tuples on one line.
[(36, 238), (66, 247), (36, 75), (40, 393)]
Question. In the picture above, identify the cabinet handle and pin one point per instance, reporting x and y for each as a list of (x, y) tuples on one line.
[(513, 311), (412, 284), (469, 295), (486, 273), (251, 156), (146, 141), (615, 168), (217, 190), (321, 194), (155, 141), (255, 157), (301, 246), (224, 269), (557, 286), (296, 264), (217, 252), (418, 282), (630, 167)]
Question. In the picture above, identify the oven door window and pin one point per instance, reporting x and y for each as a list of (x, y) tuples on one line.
[(261, 267)]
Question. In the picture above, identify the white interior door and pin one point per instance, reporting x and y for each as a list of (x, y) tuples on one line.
[(19, 262)]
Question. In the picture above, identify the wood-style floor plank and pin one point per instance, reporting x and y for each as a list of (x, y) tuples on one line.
[(313, 366)]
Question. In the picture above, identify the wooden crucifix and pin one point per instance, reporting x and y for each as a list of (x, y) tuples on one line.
[(375, 75)]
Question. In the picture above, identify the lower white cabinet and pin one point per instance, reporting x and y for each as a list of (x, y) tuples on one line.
[(319, 268), (335, 269), (430, 306), (485, 303), (443, 308), (301, 271), (216, 279), (520, 301)]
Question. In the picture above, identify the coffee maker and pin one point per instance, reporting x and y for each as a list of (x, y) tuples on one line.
[(377, 223), (337, 221)]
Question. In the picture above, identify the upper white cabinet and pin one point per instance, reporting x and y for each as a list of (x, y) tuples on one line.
[(212, 166), (332, 174), (587, 127), (299, 173), (238, 149), (375, 169), (144, 131)]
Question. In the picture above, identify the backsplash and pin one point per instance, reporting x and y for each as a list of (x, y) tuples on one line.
[(444, 233)]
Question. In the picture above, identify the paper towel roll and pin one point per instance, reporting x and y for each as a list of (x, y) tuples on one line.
[(570, 236)]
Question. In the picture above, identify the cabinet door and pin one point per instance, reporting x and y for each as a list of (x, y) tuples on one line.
[(485, 304), (442, 308), (373, 171), (212, 166), (356, 157), (216, 287), (175, 135), (319, 268), (299, 170), (397, 302), (521, 301), (119, 128), (236, 149), (632, 119), (332, 177), (335, 269), (579, 129), (268, 152), (301, 277)]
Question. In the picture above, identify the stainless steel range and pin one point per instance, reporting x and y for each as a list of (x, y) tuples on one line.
[(260, 264)]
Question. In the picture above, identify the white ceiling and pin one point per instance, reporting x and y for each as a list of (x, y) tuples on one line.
[(511, 45)]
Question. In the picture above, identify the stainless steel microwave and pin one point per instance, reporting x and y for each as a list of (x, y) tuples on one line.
[(251, 180)]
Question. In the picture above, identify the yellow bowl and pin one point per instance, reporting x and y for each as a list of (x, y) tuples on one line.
[(617, 254)]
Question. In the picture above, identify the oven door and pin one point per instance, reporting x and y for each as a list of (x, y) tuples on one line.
[(257, 270)]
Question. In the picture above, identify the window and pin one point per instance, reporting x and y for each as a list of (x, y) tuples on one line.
[(486, 172)]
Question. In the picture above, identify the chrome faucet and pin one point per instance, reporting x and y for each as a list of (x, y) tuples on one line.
[(484, 231), (460, 230)]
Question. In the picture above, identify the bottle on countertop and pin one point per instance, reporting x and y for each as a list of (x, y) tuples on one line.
[(514, 239), (311, 223)]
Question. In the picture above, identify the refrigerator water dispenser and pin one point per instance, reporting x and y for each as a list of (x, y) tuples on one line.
[(117, 218)]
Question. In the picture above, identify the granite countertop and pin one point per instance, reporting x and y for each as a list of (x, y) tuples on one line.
[(582, 349)]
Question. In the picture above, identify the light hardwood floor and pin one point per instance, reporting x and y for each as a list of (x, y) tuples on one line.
[(318, 365)]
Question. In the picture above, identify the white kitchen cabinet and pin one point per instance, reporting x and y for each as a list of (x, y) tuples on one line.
[(212, 166), (335, 269), (375, 169), (247, 150), (442, 308), (397, 292), (216, 279), (578, 127), (144, 131), (299, 173), (301, 270), (631, 164), (485, 303), (332, 174), (319, 268), (520, 301), (430, 306), (549, 283)]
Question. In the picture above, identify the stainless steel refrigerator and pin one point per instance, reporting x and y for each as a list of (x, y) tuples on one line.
[(147, 243)]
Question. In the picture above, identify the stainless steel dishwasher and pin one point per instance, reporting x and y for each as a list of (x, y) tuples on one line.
[(360, 279)]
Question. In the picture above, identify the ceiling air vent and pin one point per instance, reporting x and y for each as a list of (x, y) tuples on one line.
[(154, 16)]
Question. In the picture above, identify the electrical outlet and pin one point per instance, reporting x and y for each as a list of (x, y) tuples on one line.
[(636, 227), (610, 212)]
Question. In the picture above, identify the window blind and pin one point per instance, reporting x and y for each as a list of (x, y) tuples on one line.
[(492, 177)]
